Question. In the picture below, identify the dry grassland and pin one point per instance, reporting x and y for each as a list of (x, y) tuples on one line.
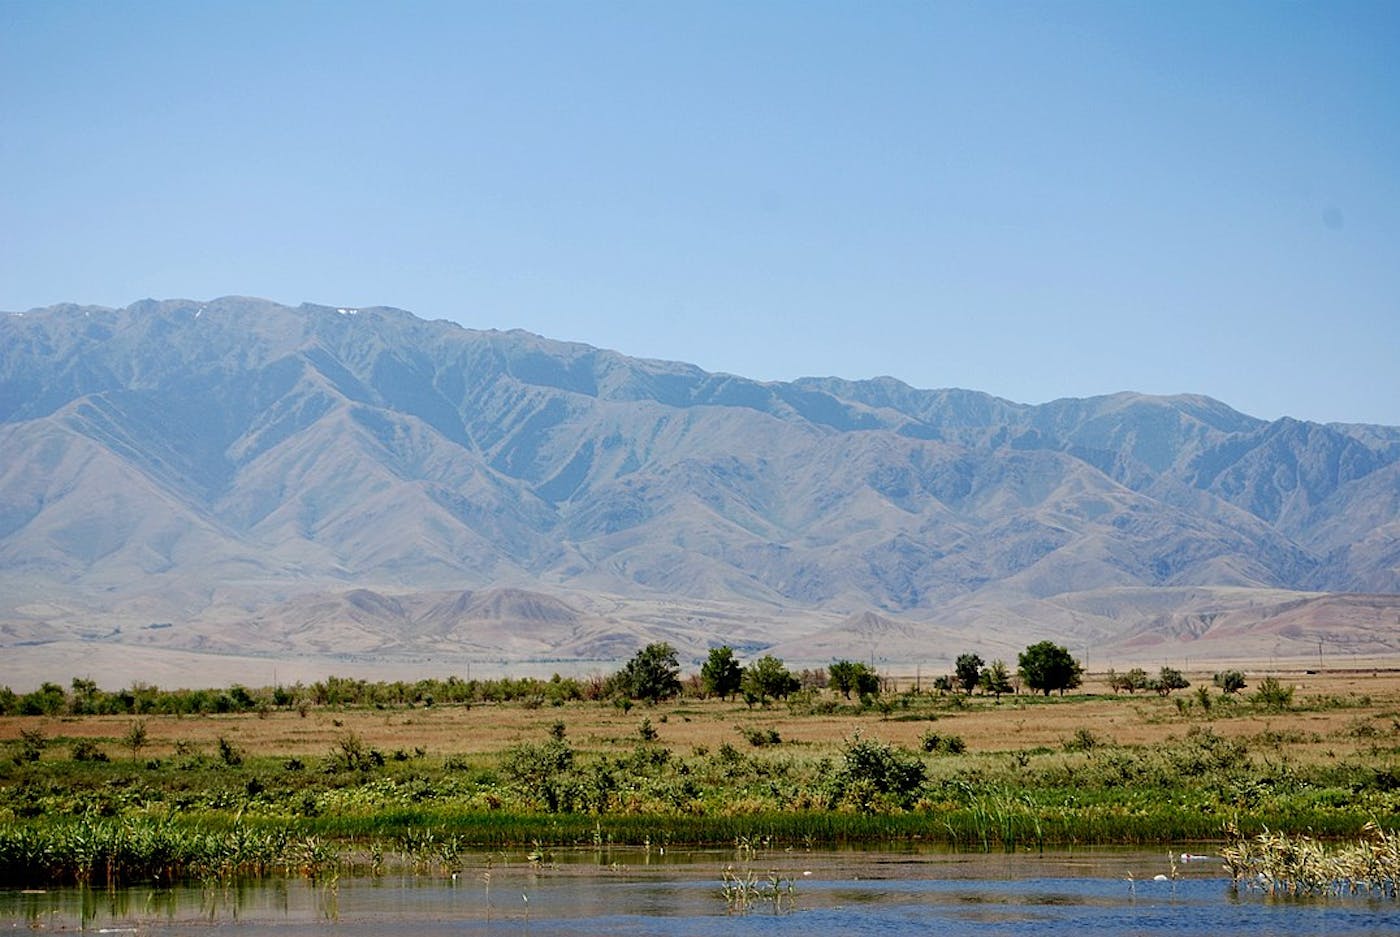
[(1334, 714)]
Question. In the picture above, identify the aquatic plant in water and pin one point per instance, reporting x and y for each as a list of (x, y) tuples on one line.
[(1280, 864), (743, 890)]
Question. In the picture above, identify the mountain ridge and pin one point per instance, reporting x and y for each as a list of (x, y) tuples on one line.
[(206, 462)]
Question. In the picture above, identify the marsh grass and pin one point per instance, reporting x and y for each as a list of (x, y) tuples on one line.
[(110, 852), (1280, 864)]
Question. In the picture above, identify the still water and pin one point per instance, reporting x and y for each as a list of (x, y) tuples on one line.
[(698, 893)]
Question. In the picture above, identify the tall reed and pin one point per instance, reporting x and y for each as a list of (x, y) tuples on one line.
[(1280, 864)]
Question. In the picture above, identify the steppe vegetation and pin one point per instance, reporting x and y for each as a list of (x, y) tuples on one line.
[(145, 783)]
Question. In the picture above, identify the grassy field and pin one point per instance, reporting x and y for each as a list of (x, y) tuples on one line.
[(1333, 715), (302, 787)]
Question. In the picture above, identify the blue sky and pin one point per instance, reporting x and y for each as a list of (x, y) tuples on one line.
[(1037, 200)]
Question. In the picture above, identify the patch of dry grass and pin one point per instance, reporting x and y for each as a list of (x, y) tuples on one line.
[(1334, 715)]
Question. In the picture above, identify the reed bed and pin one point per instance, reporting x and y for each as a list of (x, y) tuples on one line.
[(1280, 864), (111, 852)]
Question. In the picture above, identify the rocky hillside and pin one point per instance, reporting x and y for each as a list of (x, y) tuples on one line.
[(253, 473)]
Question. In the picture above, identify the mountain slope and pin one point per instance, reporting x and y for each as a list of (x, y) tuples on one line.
[(208, 463)]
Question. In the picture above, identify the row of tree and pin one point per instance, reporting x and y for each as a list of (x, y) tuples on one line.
[(1168, 679), (652, 674), (1045, 667)]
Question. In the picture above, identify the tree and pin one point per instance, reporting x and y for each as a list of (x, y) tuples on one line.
[(720, 674), (653, 673), (1134, 680), (968, 671), (1230, 681), (867, 681), (767, 678), (1169, 679), (995, 679), (849, 675), (843, 676), (1048, 666), (84, 697), (48, 700), (136, 737)]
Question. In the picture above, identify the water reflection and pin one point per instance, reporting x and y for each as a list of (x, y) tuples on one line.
[(681, 893)]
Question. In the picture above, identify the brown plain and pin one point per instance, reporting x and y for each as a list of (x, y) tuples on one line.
[(1330, 710)]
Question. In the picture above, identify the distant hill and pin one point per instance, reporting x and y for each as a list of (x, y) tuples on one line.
[(242, 477)]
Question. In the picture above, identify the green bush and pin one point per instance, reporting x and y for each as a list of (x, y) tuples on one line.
[(31, 746), (937, 744), (873, 774), (229, 753), (88, 750), (1084, 741), (1272, 695), (540, 771), (1230, 681), (758, 738)]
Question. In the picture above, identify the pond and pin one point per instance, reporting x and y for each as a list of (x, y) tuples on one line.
[(697, 893)]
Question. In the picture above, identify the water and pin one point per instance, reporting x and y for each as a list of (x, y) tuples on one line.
[(679, 893)]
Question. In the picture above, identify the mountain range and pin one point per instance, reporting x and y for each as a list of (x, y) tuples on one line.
[(232, 482)]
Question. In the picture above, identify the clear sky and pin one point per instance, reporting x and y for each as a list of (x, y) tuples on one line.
[(1037, 200)]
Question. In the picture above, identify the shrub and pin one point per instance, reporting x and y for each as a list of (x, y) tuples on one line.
[(1132, 681), (1167, 680), (1230, 681), (872, 771), (1272, 695), (229, 753), (87, 750), (1084, 741), (31, 745), (352, 754), (760, 737), (136, 737), (1204, 751), (937, 744), (541, 771)]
